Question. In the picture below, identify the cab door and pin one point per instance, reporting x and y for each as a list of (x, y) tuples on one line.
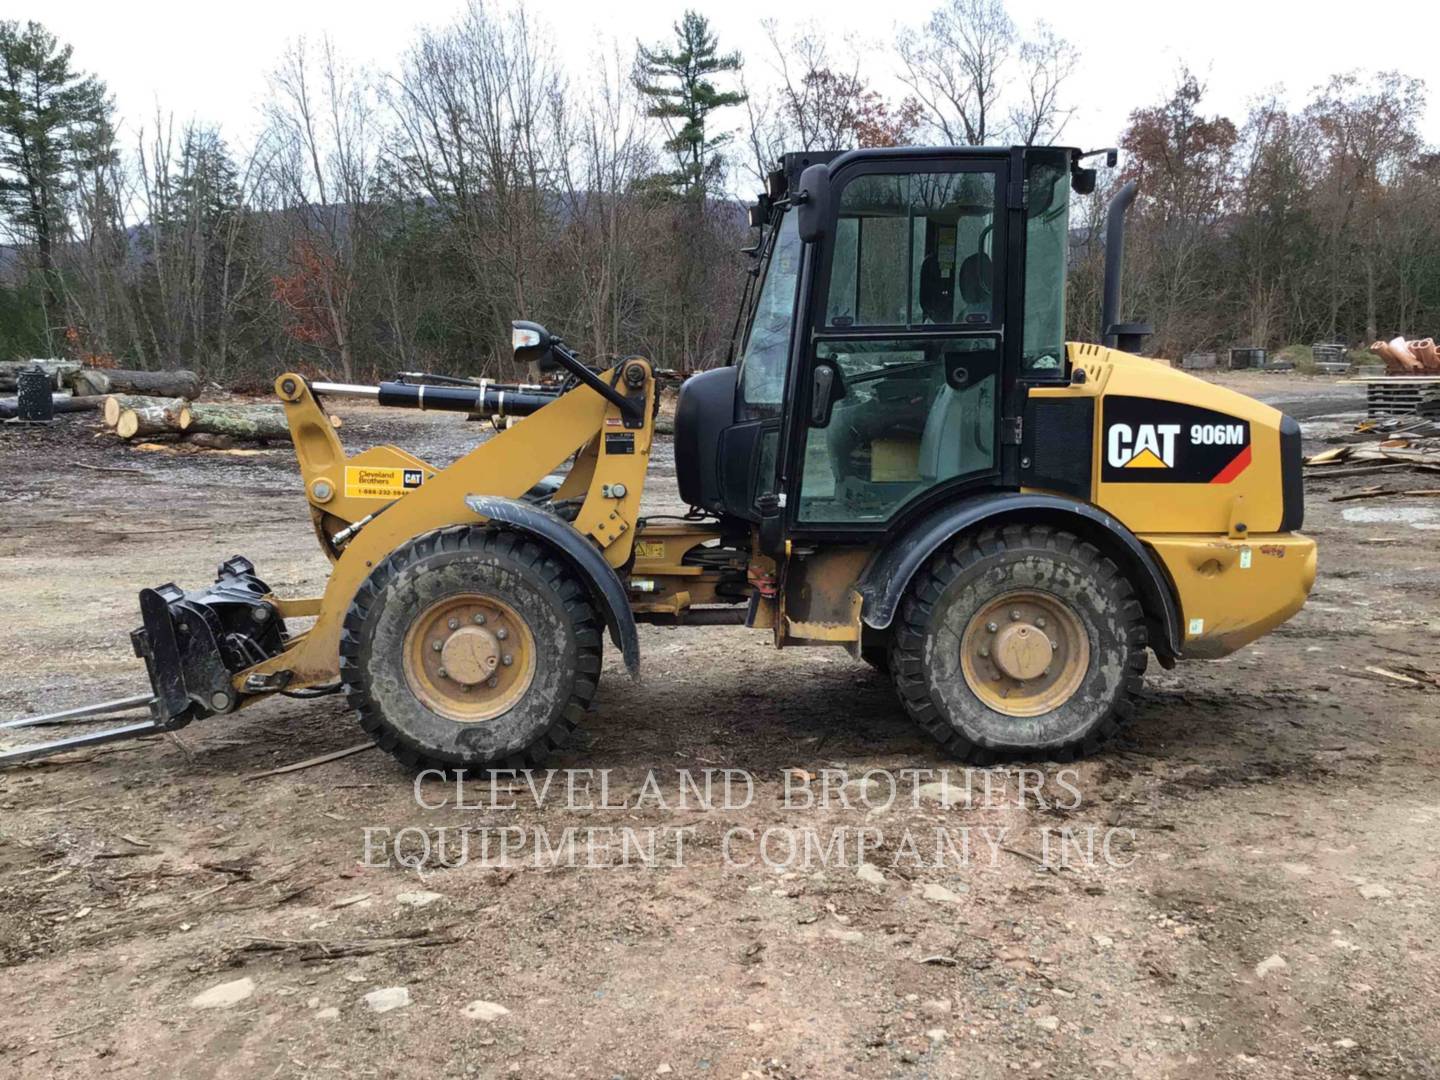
[(906, 322)]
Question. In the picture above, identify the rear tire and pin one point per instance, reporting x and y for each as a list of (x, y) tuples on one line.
[(523, 666), (1022, 641)]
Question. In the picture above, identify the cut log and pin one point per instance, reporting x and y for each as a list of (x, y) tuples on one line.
[(148, 420), (60, 370), (60, 403), (166, 384), (115, 404), (238, 421)]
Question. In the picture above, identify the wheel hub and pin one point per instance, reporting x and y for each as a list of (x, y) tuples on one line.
[(1024, 653), (469, 657)]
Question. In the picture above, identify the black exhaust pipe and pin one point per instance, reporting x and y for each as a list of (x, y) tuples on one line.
[(1127, 337)]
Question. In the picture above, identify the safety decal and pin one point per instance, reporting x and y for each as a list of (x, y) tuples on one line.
[(649, 549), (1167, 442), (367, 482)]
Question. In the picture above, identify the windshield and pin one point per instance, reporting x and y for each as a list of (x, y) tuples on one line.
[(767, 346)]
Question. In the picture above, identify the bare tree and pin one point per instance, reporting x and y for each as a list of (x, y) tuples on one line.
[(960, 63), (323, 127), (1047, 62), (474, 110), (610, 235), (954, 65), (823, 102)]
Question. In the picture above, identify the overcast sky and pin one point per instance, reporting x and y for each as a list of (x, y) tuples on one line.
[(208, 59)]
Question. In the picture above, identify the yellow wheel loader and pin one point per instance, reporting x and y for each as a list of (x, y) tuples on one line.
[(904, 459)]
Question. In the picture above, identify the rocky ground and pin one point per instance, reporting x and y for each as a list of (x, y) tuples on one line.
[(1240, 888)]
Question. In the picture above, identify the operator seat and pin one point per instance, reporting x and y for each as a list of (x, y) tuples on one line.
[(959, 434)]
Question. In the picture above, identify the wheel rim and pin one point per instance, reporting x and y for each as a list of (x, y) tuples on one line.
[(469, 658), (1024, 653)]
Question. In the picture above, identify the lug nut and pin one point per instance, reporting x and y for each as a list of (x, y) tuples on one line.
[(443, 673), (984, 651), (454, 624), (991, 627), (479, 619), (502, 633), (492, 682), (507, 661), (1014, 616), (1040, 622), (437, 645)]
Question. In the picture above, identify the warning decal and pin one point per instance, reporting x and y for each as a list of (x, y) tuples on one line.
[(1167, 442), (366, 482), (649, 549)]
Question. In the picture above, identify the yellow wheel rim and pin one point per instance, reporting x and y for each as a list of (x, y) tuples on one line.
[(1024, 653), (469, 658)]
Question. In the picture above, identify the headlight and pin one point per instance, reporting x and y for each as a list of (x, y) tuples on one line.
[(524, 339)]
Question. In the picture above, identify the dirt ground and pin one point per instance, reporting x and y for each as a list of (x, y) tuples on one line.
[(1266, 909)]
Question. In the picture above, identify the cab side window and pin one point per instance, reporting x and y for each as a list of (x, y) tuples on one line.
[(914, 250)]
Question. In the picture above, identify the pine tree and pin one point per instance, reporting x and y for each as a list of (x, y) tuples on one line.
[(677, 80), (53, 123)]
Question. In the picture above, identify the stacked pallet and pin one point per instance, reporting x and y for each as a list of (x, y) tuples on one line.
[(1402, 395)]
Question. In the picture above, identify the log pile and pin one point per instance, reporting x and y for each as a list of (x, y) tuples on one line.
[(154, 404), (210, 426)]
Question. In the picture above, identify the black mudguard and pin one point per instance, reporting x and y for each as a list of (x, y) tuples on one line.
[(582, 557), (885, 579)]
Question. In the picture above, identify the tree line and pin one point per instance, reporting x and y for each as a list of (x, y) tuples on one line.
[(399, 220)]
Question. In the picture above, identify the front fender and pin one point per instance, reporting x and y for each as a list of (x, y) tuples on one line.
[(888, 575), (581, 556)]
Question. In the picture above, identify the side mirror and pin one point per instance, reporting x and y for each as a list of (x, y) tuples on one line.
[(531, 344), (760, 212), (813, 201), (826, 388)]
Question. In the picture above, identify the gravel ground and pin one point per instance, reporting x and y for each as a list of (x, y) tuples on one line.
[(1265, 909)]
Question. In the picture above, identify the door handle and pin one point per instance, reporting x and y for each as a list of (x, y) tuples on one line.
[(823, 386)]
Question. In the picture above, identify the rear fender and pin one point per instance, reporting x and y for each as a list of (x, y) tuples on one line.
[(888, 575), (581, 556)]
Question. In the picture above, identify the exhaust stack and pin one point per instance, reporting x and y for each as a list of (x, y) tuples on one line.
[(1127, 337)]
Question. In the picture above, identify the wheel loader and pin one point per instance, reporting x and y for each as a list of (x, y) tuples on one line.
[(904, 458)]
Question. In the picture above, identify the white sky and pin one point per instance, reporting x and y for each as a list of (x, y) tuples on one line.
[(208, 59)]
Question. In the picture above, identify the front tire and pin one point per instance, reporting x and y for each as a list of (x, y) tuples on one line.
[(470, 647), (1021, 641)]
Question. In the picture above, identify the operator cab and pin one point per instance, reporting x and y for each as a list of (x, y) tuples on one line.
[(903, 301)]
